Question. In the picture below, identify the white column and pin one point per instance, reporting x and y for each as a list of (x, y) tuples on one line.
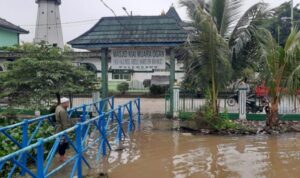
[(242, 101), (176, 90)]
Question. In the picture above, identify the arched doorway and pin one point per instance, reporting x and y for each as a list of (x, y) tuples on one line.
[(89, 66)]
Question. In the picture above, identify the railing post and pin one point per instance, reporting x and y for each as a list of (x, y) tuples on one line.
[(24, 144), (101, 106), (103, 143), (130, 124), (112, 107), (40, 159), (83, 117), (139, 112), (79, 149), (120, 118)]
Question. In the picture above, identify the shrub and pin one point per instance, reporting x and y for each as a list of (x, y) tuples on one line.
[(123, 87), (205, 119), (147, 83), (158, 90), (8, 147)]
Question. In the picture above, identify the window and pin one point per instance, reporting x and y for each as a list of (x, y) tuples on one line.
[(121, 76), (116, 76)]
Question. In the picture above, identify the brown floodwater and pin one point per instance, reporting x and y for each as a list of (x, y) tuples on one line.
[(158, 152)]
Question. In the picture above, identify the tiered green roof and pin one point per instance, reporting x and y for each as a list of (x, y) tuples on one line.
[(125, 31)]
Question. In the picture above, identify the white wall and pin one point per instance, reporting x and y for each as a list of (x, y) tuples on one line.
[(140, 76)]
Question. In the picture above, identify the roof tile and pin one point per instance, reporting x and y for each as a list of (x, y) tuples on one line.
[(132, 30)]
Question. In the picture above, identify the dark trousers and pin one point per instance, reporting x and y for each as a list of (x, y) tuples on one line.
[(62, 147)]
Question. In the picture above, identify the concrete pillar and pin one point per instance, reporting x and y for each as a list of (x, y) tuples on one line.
[(242, 101), (104, 72), (176, 97), (172, 80)]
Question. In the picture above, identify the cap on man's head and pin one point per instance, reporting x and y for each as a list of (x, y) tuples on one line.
[(64, 100)]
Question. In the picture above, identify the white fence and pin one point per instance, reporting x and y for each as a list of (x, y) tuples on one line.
[(288, 105)]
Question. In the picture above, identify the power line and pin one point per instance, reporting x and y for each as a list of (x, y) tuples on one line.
[(122, 25), (109, 8), (64, 26), (76, 22), (64, 23)]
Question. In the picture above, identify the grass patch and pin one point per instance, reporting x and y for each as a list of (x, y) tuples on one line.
[(186, 115)]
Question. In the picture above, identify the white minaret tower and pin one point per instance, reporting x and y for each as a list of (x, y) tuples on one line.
[(48, 25)]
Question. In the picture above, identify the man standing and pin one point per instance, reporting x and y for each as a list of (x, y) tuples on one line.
[(61, 116)]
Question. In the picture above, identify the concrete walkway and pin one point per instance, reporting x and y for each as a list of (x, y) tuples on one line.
[(148, 105)]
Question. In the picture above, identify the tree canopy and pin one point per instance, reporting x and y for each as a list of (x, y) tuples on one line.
[(41, 74)]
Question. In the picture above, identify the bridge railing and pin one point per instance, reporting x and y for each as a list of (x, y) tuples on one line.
[(97, 132), (83, 112)]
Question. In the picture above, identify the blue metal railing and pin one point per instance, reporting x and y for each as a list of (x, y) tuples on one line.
[(108, 124)]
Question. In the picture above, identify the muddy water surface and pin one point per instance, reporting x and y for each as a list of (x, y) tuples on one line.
[(158, 152)]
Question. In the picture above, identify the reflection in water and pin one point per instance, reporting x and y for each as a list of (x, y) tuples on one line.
[(163, 153)]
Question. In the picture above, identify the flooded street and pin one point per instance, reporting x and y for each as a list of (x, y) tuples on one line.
[(161, 153)]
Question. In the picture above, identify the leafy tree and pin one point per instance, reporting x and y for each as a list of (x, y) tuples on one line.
[(42, 72), (280, 69)]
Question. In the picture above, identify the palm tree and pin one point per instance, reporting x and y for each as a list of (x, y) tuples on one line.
[(281, 68), (207, 61), (220, 31)]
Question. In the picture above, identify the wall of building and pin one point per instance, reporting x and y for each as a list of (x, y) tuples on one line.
[(143, 76), (8, 38), (137, 75)]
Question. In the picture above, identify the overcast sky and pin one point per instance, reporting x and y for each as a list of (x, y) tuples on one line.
[(23, 12)]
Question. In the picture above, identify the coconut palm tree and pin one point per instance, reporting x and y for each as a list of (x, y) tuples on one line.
[(280, 69), (220, 30), (207, 61)]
